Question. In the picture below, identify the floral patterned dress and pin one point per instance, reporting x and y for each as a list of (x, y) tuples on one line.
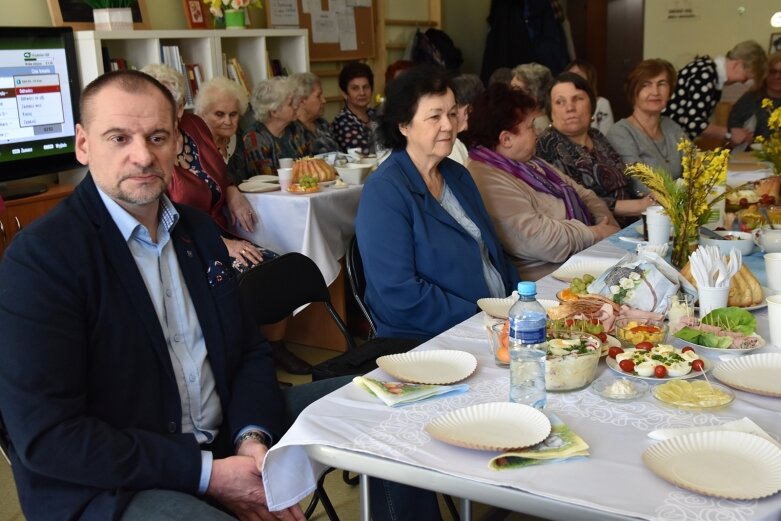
[(350, 132)]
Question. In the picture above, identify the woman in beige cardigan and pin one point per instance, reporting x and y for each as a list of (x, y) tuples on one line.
[(541, 216)]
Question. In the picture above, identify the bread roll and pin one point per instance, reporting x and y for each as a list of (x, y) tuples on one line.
[(744, 288)]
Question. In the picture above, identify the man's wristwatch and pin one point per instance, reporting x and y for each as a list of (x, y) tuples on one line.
[(254, 435), (728, 136)]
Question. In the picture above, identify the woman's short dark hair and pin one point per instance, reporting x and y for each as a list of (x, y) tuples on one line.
[(499, 108), (401, 100), (355, 70), (644, 71), (467, 87), (579, 82)]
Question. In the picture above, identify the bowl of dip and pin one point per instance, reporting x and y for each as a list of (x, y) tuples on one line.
[(619, 389)]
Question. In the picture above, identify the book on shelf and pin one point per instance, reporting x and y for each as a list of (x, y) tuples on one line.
[(191, 78), (242, 77)]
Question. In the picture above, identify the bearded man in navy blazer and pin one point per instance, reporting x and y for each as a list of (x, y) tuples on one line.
[(132, 384)]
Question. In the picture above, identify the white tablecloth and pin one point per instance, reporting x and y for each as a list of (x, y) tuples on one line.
[(612, 479), (318, 225)]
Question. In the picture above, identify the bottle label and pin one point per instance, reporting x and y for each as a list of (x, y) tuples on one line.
[(528, 331)]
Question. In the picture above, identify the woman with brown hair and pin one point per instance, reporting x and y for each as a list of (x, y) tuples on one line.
[(646, 136), (541, 216)]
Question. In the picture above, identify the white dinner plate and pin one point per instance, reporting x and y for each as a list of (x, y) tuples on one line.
[(327, 183), (438, 367), (726, 464), (572, 270), (498, 307), (758, 373), (258, 186), (265, 178), (612, 364), (496, 426), (727, 350)]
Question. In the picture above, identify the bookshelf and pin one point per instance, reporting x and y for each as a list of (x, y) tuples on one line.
[(253, 48)]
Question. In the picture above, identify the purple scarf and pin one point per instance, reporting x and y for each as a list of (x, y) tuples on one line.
[(543, 179)]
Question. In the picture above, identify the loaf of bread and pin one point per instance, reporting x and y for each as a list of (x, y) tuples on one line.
[(744, 288), (313, 167)]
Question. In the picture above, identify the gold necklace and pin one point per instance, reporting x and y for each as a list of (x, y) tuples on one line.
[(662, 151)]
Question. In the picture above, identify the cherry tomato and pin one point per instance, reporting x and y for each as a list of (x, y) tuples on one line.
[(687, 349), (613, 351), (595, 321), (627, 366), (569, 322), (602, 337), (660, 371), (647, 346), (698, 365)]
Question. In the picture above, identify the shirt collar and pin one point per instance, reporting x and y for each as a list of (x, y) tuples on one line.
[(721, 70), (127, 224)]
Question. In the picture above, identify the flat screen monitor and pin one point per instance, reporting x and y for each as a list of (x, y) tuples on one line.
[(39, 104)]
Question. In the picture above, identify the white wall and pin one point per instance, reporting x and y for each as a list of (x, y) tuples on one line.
[(718, 27), (465, 22)]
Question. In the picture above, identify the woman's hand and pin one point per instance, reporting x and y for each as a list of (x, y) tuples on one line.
[(244, 252), (603, 229), (240, 209), (633, 207)]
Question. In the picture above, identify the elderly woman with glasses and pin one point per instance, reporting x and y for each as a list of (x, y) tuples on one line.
[(542, 216), (273, 136)]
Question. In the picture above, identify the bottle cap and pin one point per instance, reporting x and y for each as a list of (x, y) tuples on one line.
[(527, 288)]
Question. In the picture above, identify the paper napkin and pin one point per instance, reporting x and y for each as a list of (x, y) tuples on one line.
[(742, 425), (395, 394), (562, 443)]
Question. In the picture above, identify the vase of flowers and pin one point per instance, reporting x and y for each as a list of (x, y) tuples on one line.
[(231, 13), (112, 14), (771, 146), (689, 200)]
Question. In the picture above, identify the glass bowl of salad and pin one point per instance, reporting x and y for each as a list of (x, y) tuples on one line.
[(571, 361), (640, 332)]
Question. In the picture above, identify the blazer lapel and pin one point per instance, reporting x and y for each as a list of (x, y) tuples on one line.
[(119, 256)]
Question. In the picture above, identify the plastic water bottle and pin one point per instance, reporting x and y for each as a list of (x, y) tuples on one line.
[(528, 346)]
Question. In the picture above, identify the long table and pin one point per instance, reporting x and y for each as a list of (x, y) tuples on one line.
[(352, 430)]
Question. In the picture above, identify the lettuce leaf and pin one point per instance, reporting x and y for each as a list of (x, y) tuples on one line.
[(695, 336), (732, 319)]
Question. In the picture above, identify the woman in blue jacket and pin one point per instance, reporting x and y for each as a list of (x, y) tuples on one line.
[(429, 249)]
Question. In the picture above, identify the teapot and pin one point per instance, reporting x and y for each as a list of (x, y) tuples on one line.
[(768, 239)]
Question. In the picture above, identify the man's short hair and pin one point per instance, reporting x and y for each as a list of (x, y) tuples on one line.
[(127, 80)]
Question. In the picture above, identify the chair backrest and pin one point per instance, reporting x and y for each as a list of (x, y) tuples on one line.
[(277, 287), (358, 283)]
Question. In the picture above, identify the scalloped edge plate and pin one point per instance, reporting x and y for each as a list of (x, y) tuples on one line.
[(256, 187), (497, 426), (757, 373), (571, 270), (436, 367), (498, 307), (613, 365), (727, 350), (726, 464)]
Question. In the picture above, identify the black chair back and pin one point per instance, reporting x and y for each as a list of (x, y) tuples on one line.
[(358, 283), (277, 287), (4, 441)]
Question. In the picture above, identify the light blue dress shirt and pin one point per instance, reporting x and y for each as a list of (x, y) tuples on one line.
[(159, 267)]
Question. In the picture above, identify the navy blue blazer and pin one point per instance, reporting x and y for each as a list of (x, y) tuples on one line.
[(424, 272), (87, 389)]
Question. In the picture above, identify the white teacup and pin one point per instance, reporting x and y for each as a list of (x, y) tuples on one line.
[(767, 239)]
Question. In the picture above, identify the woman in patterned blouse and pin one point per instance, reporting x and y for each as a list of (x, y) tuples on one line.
[(354, 126), (273, 136), (310, 122), (573, 146), (698, 90)]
